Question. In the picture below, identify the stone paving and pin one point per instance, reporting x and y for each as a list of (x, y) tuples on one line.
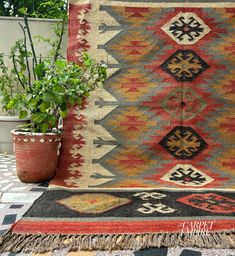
[(16, 198)]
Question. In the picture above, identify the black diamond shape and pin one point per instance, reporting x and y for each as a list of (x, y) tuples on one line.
[(9, 219), (184, 65), (16, 206), (183, 142)]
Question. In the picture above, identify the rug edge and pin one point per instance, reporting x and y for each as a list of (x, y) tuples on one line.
[(41, 243)]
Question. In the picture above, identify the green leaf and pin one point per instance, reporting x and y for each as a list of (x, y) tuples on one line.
[(71, 100), (75, 81), (88, 62), (60, 64), (23, 114), (10, 104), (37, 117), (58, 98), (43, 107), (44, 127), (32, 103), (58, 88), (48, 96), (39, 70), (79, 101), (52, 121), (63, 114), (63, 106)]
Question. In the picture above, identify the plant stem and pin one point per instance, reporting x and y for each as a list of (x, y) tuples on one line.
[(26, 55), (59, 42), (34, 75), (30, 39), (61, 34), (16, 71)]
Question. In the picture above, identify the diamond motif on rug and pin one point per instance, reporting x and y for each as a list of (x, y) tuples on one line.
[(210, 202), (93, 202), (187, 175), (183, 103), (130, 86), (129, 162), (131, 47), (186, 28), (184, 65), (183, 142), (130, 123)]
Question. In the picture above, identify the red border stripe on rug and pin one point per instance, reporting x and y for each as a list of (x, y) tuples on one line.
[(117, 227)]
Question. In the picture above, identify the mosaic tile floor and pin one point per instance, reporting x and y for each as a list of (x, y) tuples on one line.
[(16, 198)]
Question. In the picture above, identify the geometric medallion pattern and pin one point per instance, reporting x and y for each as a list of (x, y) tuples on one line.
[(187, 175), (183, 103), (184, 65), (183, 142), (93, 203), (186, 28), (165, 116), (210, 202)]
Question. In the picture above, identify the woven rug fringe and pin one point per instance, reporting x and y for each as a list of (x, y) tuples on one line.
[(38, 243)]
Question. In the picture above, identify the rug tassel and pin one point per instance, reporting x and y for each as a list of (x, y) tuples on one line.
[(39, 243)]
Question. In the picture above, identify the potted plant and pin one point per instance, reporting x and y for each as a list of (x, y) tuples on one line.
[(59, 86), (56, 86), (16, 71)]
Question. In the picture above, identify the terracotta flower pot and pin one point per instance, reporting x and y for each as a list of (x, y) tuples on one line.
[(36, 155)]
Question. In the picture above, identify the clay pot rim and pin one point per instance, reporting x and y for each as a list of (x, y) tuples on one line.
[(28, 133)]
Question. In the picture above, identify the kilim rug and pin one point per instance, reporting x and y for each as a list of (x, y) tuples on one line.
[(166, 116), (114, 220), (148, 160)]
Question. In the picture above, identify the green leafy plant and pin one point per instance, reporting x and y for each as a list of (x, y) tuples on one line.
[(6, 85), (17, 69), (51, 9), (12, 82), (52, 85), (61, 84)]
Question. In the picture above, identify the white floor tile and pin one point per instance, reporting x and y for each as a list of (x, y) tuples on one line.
[(28, 197)]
